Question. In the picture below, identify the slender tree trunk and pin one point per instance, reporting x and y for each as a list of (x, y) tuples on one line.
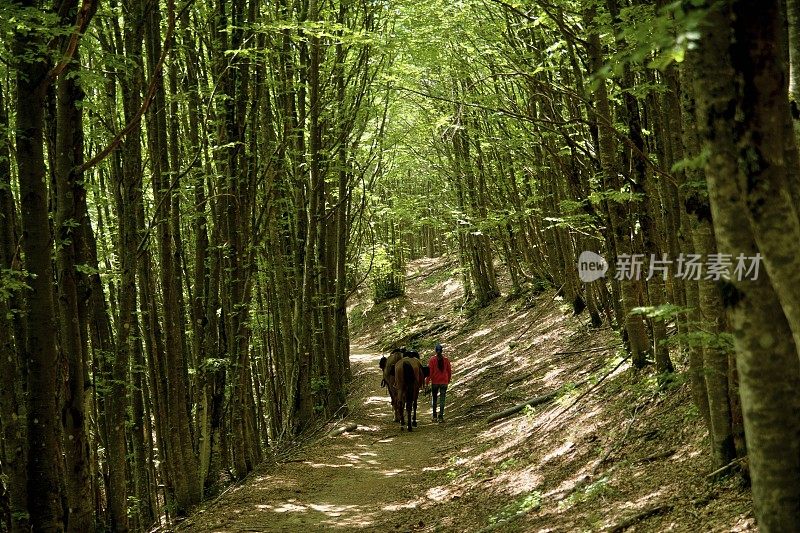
[(12, 346), (69, 221), (186, 479), (630, 290), (45, 486)]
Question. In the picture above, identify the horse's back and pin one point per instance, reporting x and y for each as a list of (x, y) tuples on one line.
[(391, 362), (409, 375)]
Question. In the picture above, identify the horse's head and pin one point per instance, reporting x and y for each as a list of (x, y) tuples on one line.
[(382, 362), (411, 354)]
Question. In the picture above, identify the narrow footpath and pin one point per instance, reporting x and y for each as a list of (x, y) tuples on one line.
[(371, 478)]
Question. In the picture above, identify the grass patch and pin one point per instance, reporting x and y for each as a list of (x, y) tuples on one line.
[(519, 507), (508, 464), (592, 492), (358, 316), (439, 276)]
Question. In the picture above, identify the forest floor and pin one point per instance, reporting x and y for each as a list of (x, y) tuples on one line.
[(612, 451)]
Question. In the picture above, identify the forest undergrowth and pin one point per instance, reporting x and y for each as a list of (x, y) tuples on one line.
[(609, 450)]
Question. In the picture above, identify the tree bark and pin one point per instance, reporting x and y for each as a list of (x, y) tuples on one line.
[(12, 346), (45, 484), (69, 222), (767, 357)]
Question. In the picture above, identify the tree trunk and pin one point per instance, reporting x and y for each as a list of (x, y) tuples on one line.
[(45, 484), (12, 346), (69, 221), (186, 479), (767, 357)]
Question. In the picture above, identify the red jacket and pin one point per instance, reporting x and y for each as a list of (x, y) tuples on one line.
[(439, 377)]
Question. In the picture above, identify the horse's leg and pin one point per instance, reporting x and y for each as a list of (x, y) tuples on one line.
[(408, 412), (415, 413), (393, 396), (399, 414)]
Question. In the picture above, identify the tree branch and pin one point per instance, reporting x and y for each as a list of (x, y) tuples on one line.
[(85, 14), (151, 91)]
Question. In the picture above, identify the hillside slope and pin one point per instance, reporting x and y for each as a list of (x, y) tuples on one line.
[(608, 451)]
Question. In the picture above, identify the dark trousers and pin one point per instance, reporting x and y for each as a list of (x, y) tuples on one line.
[(436, 390)]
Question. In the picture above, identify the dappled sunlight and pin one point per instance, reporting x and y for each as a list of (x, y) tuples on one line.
[(437, 494), (451, 287), (472, 374), (551, 376), (360, 430), (413, 504), (489, 395), (333, 515), (558, 452), (522, 482), (365, 358), (378, 400), (569, 484), (329, 509), (288, 507), (357, 458), (480, 333), (587, 419), (328, 465)]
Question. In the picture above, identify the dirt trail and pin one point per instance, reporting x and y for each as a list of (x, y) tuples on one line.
[(370, 479)]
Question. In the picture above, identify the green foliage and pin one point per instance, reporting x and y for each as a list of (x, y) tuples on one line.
[(621, 197), (86, 270), (211, 364), (519, 507), (508, 464), (660, 312), (702, 339), (439, 276), (357, 316), (12, 281), (385, 278), (592, 492), (656, 39), (696, 162), (29, 21), (568, 392), (319, 385), (319, 389)]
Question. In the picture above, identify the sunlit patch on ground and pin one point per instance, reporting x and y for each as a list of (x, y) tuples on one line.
[(561, 450), (437, 494), (405, 505), (379, 400), (329, 465), (480, 333)]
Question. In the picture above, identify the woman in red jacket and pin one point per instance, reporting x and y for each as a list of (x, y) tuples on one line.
[(439, 377)]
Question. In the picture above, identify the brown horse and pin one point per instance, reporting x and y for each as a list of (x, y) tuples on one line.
[(409, 377), (387, 364)]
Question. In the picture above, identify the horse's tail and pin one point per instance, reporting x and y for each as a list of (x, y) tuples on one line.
[(409, 380)]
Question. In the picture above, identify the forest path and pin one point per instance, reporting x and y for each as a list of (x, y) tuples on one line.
[(371, 478)]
